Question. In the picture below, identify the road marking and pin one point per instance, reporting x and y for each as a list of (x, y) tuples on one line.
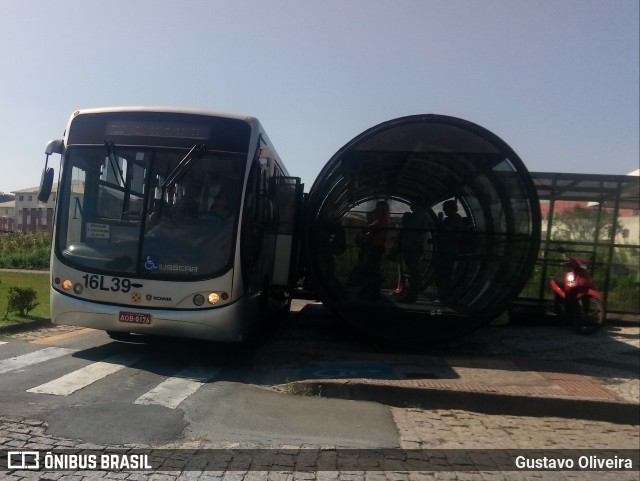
[(66, 335), (25, 360), (3, 342), (171, 392), (72, 382)]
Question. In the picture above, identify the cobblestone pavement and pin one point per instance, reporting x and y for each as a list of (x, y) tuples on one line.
[(418, 429), (606, 355)]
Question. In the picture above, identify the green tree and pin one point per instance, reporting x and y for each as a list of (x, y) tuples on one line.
[(580, 224)]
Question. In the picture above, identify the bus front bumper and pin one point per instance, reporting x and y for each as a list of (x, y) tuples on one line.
[(229, 323)]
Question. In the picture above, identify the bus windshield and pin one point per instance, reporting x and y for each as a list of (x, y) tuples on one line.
[(150, 212)]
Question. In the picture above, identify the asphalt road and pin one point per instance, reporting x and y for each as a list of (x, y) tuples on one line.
[(86, 386)]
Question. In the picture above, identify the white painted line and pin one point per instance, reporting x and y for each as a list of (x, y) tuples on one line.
[(171, 392), (20, 362), (3, 342), (72, 382)]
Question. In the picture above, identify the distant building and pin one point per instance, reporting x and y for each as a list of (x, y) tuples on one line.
[(7, 216), (32, 215)]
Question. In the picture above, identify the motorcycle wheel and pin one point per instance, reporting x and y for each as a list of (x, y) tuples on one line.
[(589, 315)]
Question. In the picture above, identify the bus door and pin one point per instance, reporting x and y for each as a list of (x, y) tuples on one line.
[(288, 192)]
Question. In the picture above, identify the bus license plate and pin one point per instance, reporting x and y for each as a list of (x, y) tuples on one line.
[(134, 317)]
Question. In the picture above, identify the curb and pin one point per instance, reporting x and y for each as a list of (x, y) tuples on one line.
[(25, 326), (482, 402)]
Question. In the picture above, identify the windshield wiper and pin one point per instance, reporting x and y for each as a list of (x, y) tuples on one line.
[(113, 160), (176, 174)]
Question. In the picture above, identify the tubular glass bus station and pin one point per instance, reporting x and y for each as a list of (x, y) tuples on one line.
[(434, 209)]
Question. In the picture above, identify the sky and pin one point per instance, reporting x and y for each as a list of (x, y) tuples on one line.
[(556, 80)]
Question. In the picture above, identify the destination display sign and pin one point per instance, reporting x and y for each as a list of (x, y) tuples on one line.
[(150, 128)]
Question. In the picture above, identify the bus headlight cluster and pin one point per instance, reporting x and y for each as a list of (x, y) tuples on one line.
[(67, 285), (212, 297)]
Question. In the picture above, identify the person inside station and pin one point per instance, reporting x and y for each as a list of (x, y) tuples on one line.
[(415, 228), (372, 242), (395, 254), (451, 227)]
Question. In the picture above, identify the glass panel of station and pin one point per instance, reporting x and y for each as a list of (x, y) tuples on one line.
[(593, 217), (422, 229)]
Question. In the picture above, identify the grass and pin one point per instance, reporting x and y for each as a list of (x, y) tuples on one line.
[(39, 281)]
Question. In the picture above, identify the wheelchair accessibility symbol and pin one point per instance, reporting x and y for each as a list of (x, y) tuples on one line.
[(152, 263)]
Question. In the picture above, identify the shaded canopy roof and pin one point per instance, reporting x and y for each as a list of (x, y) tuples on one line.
[(605, 189), (424, 158)]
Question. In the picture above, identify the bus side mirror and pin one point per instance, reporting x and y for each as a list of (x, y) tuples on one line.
[(46, 182)]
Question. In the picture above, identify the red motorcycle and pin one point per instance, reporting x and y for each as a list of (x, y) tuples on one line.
[(576, 298)]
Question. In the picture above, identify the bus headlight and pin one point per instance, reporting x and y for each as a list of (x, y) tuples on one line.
[(77, 288), (214, 297), (198, 299), (67, 284)]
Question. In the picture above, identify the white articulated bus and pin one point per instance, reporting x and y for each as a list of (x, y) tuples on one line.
[(171, 222)]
